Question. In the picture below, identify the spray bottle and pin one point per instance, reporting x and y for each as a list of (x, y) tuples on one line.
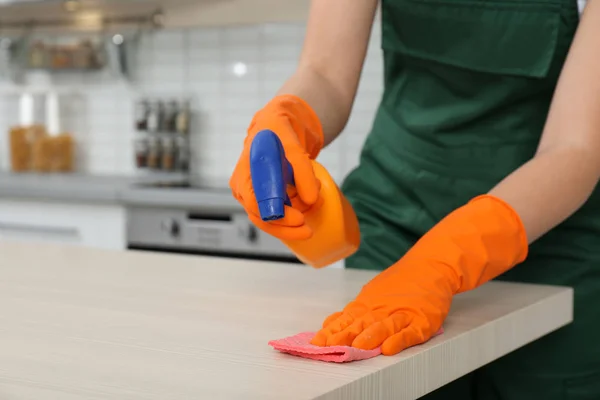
[(334, 224)]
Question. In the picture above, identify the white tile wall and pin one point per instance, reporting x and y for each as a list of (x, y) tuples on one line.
[(202, 64)]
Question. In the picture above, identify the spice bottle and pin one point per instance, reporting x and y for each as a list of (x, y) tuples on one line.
[(141, 153), (161, 116), (171, 113), (183, 155), (141, 115), (168, 155), (153, 120), (83, 54), (37, 56), (154, 151), (165, 115), (61, 57), (183, 118)]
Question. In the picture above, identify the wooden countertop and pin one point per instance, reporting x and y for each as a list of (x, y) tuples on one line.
[(88, 324)]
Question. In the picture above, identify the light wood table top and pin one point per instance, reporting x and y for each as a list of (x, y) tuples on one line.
[(88, 324)]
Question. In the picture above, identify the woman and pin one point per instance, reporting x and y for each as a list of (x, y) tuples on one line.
[(482, 163)]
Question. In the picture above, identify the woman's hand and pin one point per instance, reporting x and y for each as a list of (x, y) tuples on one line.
[(299, 130), (397, 310), (406, 304)]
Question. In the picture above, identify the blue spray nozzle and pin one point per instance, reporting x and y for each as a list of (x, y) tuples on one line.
[(271, 173)]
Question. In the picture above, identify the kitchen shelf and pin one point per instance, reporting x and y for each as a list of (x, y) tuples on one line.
[(65, 70), (39, 89), (152, 19)]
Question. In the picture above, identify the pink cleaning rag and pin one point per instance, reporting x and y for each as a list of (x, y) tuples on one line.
[(299, 345)]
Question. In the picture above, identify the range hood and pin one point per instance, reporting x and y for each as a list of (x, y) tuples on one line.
[(14, 13), (172, 13)]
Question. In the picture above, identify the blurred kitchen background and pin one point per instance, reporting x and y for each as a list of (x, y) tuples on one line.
[(124, 119)]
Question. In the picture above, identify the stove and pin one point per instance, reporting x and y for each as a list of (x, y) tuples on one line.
[(189, 183), (210, 232)]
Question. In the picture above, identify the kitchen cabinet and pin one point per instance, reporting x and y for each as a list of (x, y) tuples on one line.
[(93, 225)]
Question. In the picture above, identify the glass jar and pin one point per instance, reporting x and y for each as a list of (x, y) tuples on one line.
[(37, 56), (161, 116), (154, 154), (153, 121), (141, 153), (183, 155), (168, 155), (141, 115), (82, 54), (171, 113), (183, 118)]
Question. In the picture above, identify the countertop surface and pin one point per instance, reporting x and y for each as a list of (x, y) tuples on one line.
[(111, 190), (89, 324), (63, 186)]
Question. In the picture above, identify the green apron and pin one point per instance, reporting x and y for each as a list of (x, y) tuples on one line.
[(468, 84)]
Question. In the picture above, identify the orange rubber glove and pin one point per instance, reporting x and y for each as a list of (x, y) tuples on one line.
[(407, 303), (300, 132)]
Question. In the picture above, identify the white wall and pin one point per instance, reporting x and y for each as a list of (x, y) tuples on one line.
[(198, 62)]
